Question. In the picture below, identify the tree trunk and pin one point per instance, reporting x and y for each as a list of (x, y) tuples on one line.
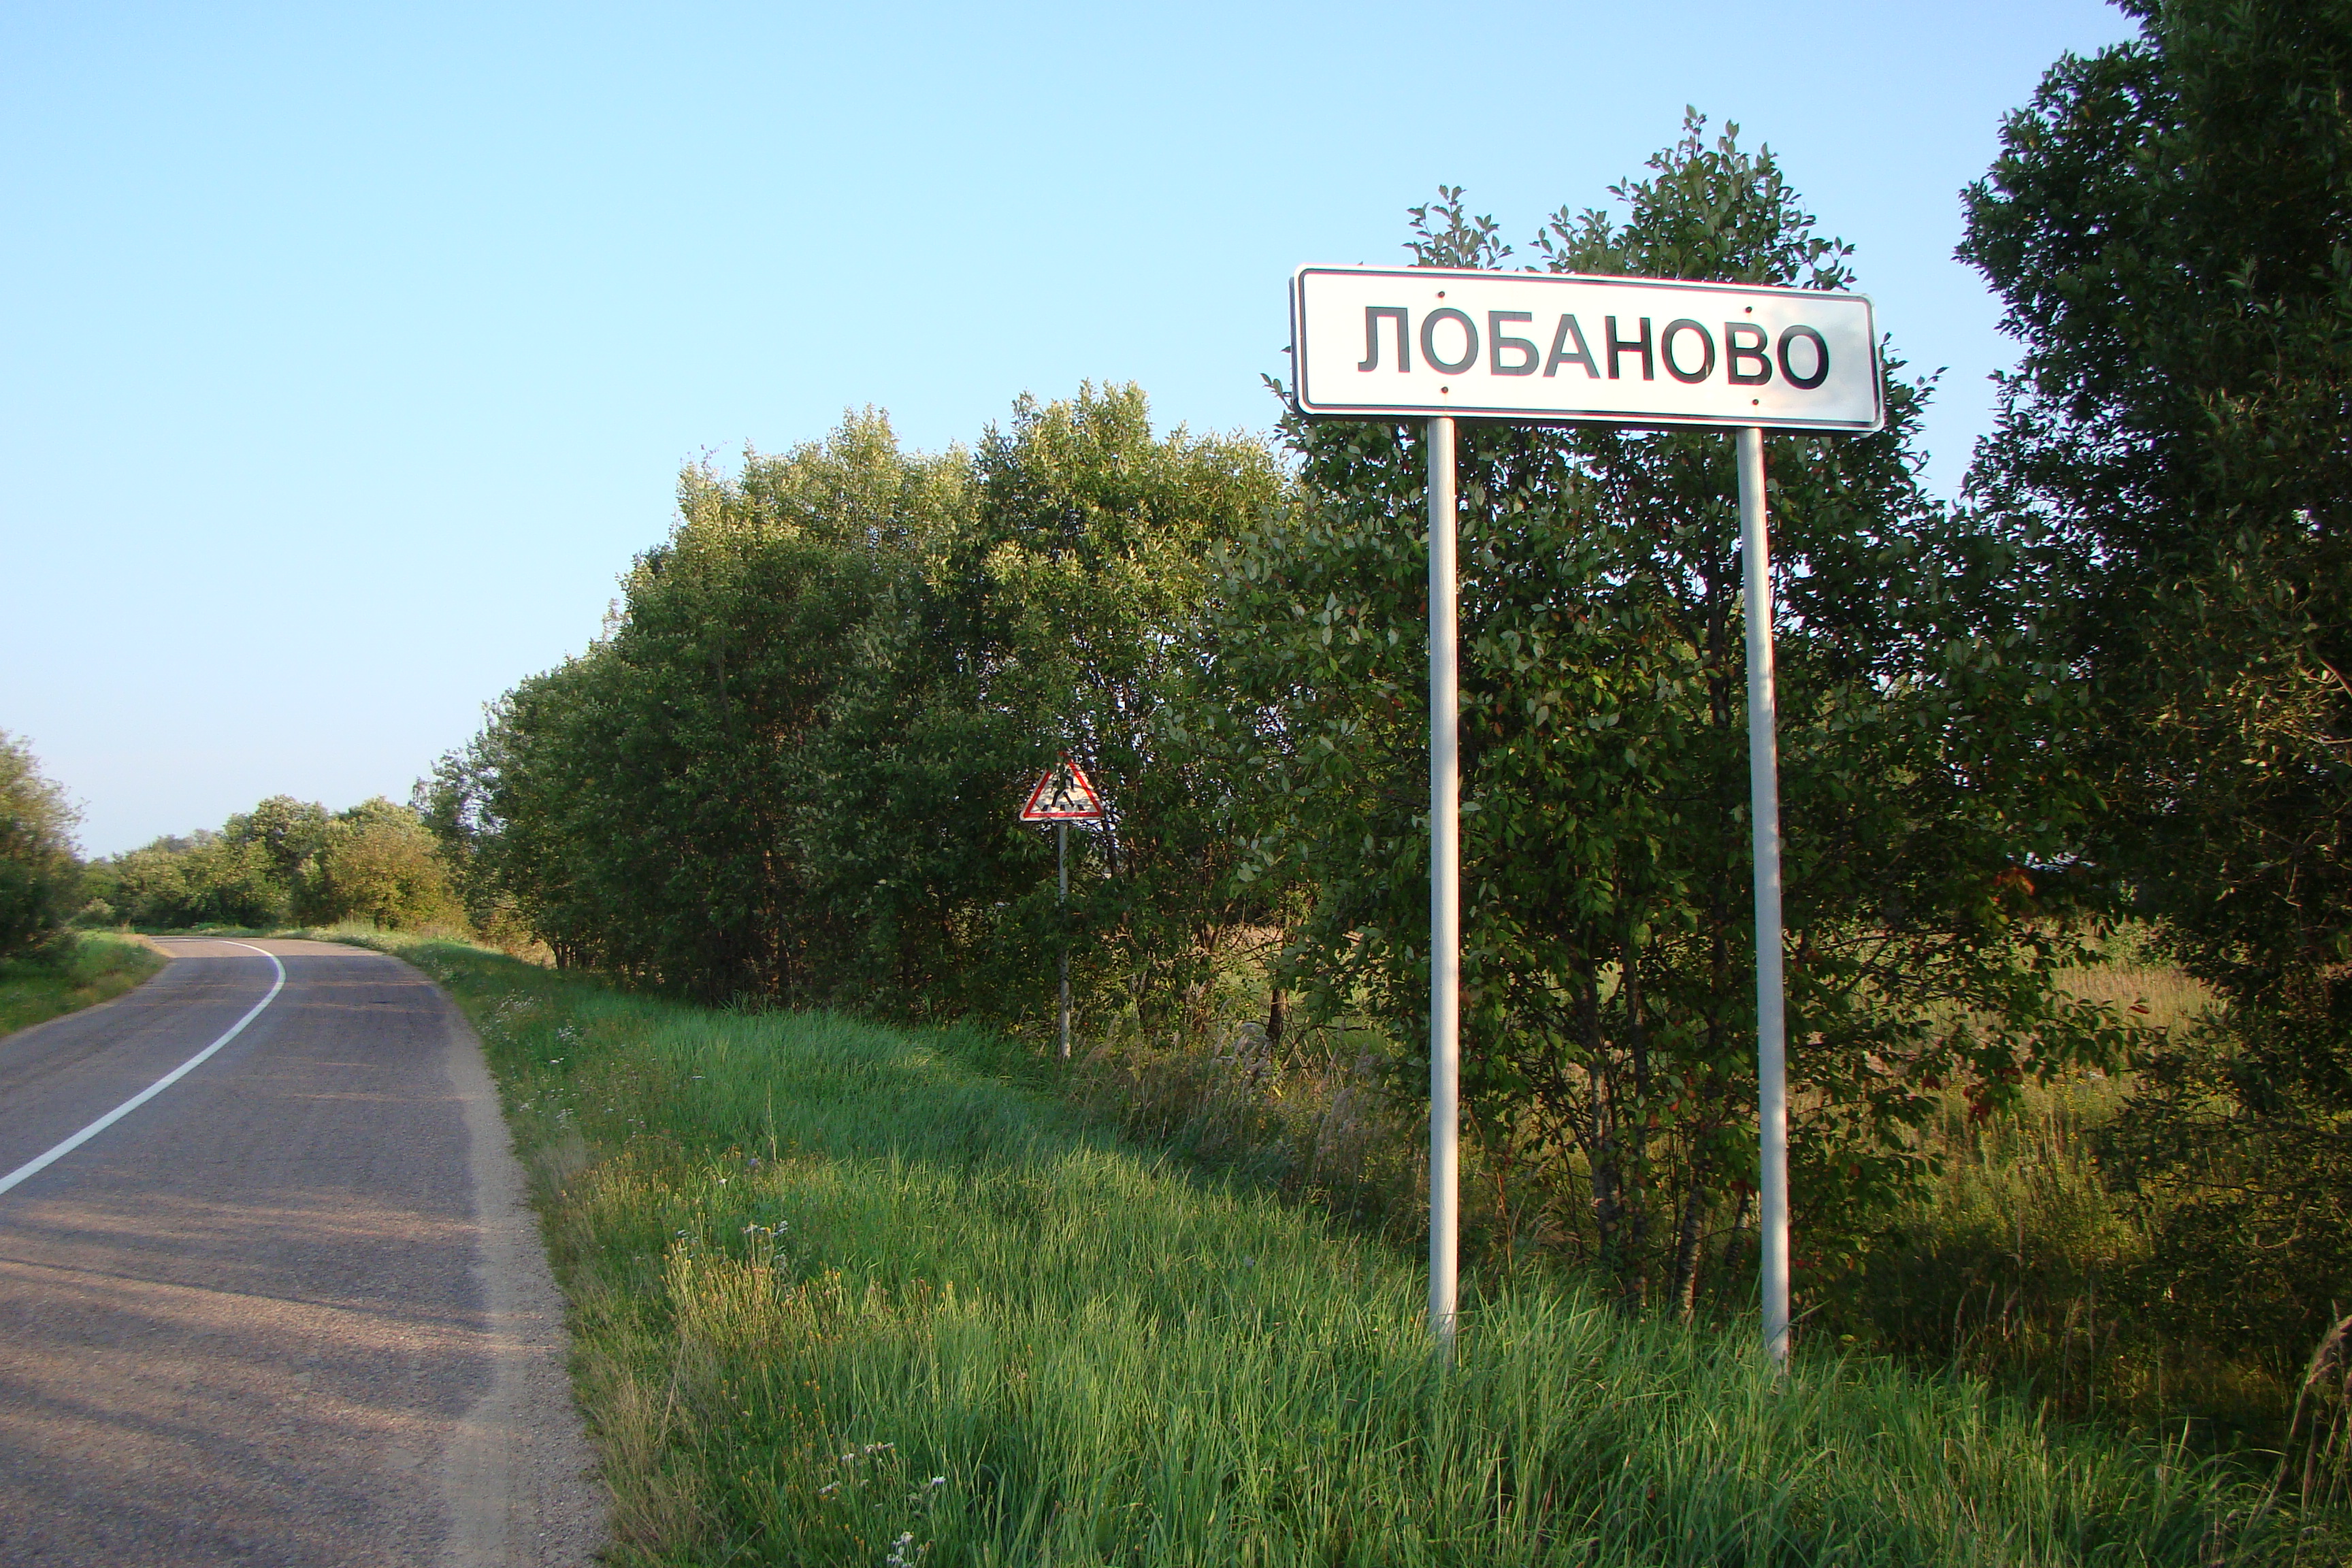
[(1686, 1240)]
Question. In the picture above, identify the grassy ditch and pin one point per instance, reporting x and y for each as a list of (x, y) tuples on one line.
[(844, 1294), (84, 968)]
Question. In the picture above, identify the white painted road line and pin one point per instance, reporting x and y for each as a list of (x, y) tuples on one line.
[(42, 1162)]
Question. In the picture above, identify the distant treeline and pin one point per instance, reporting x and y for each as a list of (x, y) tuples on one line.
[(284, 862)]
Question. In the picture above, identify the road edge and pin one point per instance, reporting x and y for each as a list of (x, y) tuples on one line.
[(518, 1477)]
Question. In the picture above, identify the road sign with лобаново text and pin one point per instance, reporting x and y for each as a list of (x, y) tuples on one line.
[(1558, 347), (1438, 344)]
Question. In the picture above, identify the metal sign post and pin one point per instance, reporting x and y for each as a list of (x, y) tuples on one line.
[(1548, 348), (1764, 831), (1064, 796), (1062, 904), (1444, 893)]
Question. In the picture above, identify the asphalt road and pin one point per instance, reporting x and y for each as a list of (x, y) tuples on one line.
[(290, 1309)]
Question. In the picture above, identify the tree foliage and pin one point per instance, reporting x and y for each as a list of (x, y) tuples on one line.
[(791, 767), (2170, 222), (38, 867), (284, 861), (788, 770)]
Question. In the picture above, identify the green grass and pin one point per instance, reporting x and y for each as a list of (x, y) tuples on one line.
[(844, 1294), (83, 969)]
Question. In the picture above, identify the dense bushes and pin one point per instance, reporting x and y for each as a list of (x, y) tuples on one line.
[(39, 868), (2171, 224), (792, 769)]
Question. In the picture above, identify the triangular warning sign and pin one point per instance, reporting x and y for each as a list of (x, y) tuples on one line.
[(1063, 795)]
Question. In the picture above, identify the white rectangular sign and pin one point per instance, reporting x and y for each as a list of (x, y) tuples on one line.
[(1559, 347)]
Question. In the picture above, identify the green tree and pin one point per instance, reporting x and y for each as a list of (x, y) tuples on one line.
[(790, 769), (39, 868), (2171, 224), (139, 886), (290, 834), (376, 861), (204, 878), (646, 808), (1083, 584), (1609, 1006)]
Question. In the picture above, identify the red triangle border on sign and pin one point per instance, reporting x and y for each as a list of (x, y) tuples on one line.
[(1087, 807)]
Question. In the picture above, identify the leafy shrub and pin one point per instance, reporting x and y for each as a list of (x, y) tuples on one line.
[(378, 862), (38, 869)]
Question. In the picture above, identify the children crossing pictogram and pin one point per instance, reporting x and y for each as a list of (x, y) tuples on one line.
[(1063, 795)]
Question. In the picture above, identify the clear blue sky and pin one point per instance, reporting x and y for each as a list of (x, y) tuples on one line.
[(347, 355)]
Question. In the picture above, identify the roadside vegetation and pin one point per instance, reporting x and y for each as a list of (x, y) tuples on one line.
[(39, 871), (2021, 1258), (78, 970), (2084, 728), (784, 773), (285, 862), (46, 968), (842, 1293)]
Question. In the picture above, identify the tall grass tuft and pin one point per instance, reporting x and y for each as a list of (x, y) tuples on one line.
[(843, 1294), (78, 970)]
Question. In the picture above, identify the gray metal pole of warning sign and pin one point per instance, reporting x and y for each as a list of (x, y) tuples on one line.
[(1764, 825), (1062, 866), (1444, 895)]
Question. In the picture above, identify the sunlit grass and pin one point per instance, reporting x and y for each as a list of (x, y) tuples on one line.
[(85, 968), (843, 1295), (2155, 995)]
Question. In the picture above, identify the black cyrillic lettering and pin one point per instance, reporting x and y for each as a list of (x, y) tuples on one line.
[(1569, 332), (1372, 314), (1821, 358), (1616, 346), (1744, 343), (1429, 340), (1666, 352), (1497, 342)]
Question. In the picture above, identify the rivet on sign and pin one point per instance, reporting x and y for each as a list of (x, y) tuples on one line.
[(1441, 293), (1755, 403)]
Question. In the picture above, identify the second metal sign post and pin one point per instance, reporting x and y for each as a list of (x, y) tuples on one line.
[(1539, 348)]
